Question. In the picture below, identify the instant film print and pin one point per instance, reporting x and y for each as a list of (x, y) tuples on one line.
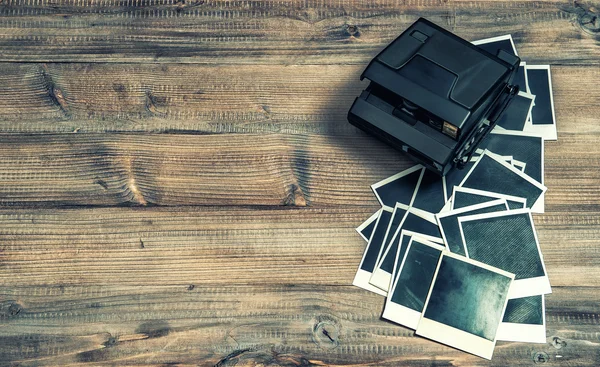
[(543, 119), (366, 228), (430, 193), (492, 174), (526, 147), (521, 78), (397, 217), (449, 226), (413, 221), (399, 188), (465, 305), (494, 44), (516, 114), (369, 260), (524, 320), (412, 281), (464, 196), (507, 240)]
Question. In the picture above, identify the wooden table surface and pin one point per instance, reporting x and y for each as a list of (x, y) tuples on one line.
[(179, 184)]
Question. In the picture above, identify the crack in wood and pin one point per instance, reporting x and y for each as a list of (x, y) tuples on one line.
[(230, 356)]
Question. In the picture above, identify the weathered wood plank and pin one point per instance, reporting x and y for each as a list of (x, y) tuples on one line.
[(269, 169), (241, 169), (209, 246), (249, 325), (58, 98), (234, 169), (297, 32), (230, 169), (230, 273)]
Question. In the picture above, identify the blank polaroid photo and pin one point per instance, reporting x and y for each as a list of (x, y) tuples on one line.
[(526, 147), (450, 229), (494, 44), (543, 119), (430, 193), (463, 197), (491, 174), (515, 115), (369, 259), (520, 79), (399, 188), (398, 216), (524, 320), (508, 241), (366, 228), (412, 281), (415, 222), (465, 304)]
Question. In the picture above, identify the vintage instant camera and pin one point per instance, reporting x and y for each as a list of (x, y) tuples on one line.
[(434, 95)]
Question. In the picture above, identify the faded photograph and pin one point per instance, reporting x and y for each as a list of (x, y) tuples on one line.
[(524, 148), (468, 297), (416, 275), (526, 310), (400, 190), (490, 175), (430, 193), (412, 223), (451, 227), (506, 242), (372, 251)]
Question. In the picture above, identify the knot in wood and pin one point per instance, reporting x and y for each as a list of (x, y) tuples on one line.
[(326, 332), (540, 357), (111, 341), (588, 17), (558, 343), (14, 309), (352, 30)]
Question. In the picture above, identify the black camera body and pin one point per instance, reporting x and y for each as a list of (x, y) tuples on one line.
[(434, 95)]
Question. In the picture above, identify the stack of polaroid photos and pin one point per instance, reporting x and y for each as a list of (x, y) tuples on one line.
[(458, 257)]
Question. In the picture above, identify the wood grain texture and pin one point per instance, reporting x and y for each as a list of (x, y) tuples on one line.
[(179, 184), (180, 98), (253, 326), (241, 169), (238, 169), (217, 246), (288, 32)]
